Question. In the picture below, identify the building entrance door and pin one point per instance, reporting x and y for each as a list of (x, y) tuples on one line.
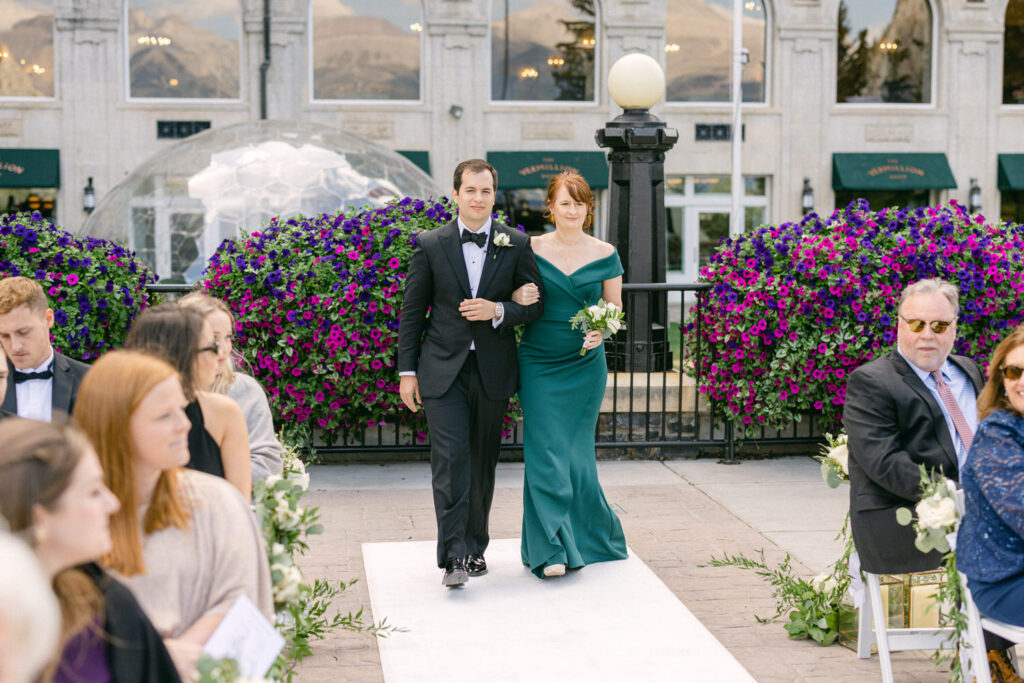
[(693, 233)]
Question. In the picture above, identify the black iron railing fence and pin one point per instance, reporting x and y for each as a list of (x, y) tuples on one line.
[(650, 410)]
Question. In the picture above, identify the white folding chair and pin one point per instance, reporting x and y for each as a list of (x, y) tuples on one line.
[(974, 652), (891, 639)]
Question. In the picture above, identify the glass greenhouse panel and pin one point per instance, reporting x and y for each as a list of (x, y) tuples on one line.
[(176, 208)]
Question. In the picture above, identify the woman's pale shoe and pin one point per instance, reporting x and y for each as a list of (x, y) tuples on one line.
[(554, 570)]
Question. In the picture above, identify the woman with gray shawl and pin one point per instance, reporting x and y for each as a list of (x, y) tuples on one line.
[(264, 448)]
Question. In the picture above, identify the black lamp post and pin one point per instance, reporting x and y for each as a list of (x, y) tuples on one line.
[(637, 141)]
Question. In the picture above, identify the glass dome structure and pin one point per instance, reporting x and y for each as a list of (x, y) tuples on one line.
[(176, 208)]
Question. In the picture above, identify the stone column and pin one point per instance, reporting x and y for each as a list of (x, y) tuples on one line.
[(970, 88), (90, 81), (803, 69), (458, 77), (288, 71)]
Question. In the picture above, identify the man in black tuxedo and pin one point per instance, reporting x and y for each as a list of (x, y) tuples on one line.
[(42, 384), (916, 404), (464, 274)]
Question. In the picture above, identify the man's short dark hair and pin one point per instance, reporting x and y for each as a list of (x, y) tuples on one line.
[(473, 166)]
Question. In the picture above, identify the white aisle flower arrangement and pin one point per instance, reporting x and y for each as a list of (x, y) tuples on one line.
[(814, 607), (301, 607), (835, 460), (936, 520)]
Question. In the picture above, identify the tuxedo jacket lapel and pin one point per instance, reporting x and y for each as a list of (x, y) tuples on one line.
[(62, 383), (11, 397), (452, 245), (492, 259), (938, 419)]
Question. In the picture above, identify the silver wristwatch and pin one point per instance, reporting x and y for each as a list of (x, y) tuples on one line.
[(499, 310)]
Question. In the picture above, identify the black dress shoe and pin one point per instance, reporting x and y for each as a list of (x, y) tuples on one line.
[(455, 575), (475, 565)]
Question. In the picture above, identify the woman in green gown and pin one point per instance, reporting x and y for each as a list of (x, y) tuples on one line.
[(566, 520)]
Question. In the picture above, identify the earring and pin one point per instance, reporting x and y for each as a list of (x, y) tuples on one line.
[(40, 535)]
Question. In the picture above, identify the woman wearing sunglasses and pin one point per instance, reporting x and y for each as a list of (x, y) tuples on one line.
[(218, 441), (990, 544), (264, 448)]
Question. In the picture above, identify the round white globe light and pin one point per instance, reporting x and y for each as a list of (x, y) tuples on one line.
[(636, 81)]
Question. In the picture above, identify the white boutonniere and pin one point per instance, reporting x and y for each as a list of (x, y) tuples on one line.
[(500, 240)]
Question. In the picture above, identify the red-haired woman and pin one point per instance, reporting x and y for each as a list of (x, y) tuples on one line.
[(567, 523), (184, 542)]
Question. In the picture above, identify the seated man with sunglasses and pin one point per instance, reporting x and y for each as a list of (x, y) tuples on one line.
[(915, 405)]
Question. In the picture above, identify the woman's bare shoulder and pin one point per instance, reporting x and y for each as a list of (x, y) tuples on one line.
[(603, 248), (219, 410), (539, 243)]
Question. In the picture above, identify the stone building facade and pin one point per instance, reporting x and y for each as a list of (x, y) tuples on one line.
[(815, 84)]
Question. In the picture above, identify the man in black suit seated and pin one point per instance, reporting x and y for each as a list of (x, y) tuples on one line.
[(914, 405), (42, 383)]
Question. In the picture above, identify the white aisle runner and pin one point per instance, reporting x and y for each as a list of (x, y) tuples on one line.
[(611, 621)]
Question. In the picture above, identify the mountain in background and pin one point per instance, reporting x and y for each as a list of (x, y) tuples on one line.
[(205, 64), (701, 69), (32, 40), (534, 36), (364, 58)]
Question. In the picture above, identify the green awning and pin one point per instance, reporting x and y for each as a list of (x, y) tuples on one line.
[(898, 171), (419, 157), (520, 170), (29, 168), (1011, 171)]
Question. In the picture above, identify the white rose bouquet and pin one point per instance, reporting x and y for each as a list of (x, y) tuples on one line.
[(937, 515), (604, 316), (835, 460)]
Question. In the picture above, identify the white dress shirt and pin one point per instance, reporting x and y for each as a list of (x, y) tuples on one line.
[(966, 398), (35, 397), (474, 258)]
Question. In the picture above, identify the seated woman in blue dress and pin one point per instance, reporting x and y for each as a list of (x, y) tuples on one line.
[(990, 543)]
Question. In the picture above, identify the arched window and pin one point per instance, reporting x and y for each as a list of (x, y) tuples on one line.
[(184, 48), (1013, 54), (698, 50), (26, 48), (884, 51), (543, 50), (366, 49)]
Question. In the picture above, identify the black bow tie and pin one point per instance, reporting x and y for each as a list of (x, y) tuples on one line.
[(478, 238), (20, 377)]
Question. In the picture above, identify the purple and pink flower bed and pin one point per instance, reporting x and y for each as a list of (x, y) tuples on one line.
[(316, 304), (95, 287), (795, 308)]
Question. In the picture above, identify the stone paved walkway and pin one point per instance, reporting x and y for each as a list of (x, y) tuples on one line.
[(675, 514)]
